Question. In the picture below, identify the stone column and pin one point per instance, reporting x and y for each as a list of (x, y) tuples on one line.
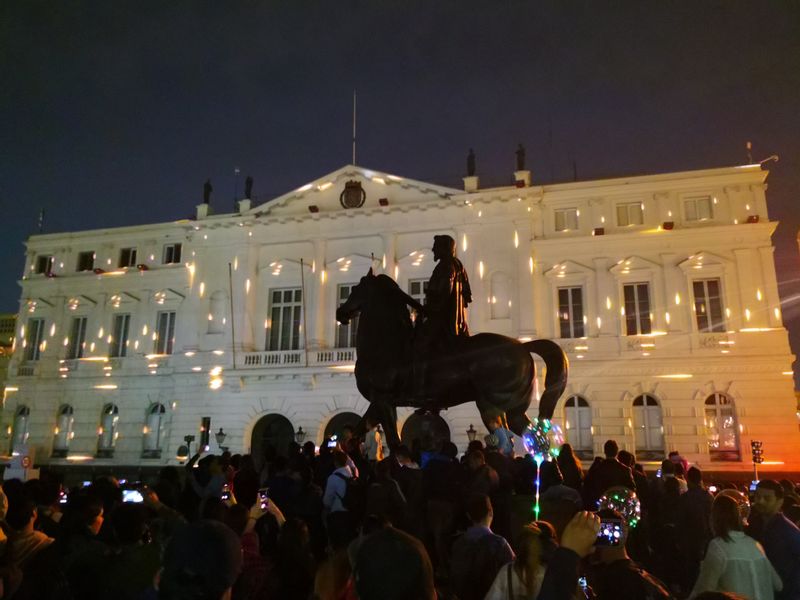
[(316, 302), (675, 289), (389, 258), (747, 270), (525, 309), (607, 308), (771, 299)]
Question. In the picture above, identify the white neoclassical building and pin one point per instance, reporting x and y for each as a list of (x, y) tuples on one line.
[(661, 289)]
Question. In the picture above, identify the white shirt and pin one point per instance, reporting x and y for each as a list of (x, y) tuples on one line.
[(738, 566), (499, 589), (373, 445)]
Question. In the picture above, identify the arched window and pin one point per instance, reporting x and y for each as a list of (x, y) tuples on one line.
[(722, 428), (107, 432), (578, 423), (19, 435), (648, 425), (63, 431), (153, 430)]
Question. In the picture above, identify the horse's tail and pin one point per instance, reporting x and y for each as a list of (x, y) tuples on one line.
[(555, 379)]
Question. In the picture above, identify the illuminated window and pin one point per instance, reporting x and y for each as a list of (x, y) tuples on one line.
[(107, 435), (34, 332), (63, 431), (172, 254), (286, 308), (566, 219), (346, 334), (570, 312), (19, 435), (127, 258), (77, 338), (698, 209), (722, 428), (708, 305), (630, 213), (578, 423), (637, 308), (165, 332), (45, 264), (648, 424), (153, 431), (119, 336), (85, 261)]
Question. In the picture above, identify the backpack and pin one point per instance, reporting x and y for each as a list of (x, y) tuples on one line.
[(355, 496)]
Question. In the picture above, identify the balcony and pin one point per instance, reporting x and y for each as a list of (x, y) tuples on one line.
[(332, 357)]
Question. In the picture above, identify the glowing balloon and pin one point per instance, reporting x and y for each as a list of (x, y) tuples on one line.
[(624, 501)]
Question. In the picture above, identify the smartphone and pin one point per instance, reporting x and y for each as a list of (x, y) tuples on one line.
[(263, 498), (86, 484), (226, 493), (753, 485), (582, 583), (658, 473), (132, 496), (610, 533), (63, 497), (332, 442), (712, 489)]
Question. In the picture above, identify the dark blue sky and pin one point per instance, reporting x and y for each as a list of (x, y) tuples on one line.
[(115, 113)]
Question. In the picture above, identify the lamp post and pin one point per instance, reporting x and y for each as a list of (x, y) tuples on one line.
[(299, 435), (758, 456), (220, 437), (183, 451), (471, 433)]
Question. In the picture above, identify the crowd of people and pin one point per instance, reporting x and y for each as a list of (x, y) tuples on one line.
[(354, 520)]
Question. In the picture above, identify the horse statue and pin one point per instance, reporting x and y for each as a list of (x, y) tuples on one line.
[(494, 371)]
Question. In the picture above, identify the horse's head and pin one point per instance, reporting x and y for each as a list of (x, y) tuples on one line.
[(358, 299)]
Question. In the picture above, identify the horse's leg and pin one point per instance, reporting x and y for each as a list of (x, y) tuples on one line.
[(373, 414), (517, 420), (490, 412), (387, 415)]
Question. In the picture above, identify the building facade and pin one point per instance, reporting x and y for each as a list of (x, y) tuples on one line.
[(660, 288)]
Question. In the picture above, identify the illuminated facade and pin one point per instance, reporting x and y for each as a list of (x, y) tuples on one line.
[(661, 289)]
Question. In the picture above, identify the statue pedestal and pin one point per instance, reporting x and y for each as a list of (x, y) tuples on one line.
[(471, 183), (524, 177)]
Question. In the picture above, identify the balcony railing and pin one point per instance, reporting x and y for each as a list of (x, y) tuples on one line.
[(299, 358)]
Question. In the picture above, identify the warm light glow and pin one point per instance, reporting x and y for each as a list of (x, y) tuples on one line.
[(215, 383), (52, 330), (155, 356), (196, 369), (379, 180), (100, 333), (758, 294), (79, 457), (777, 312), (106, 386), (323, 275), (747, 314), (677, 298), (464, 242), (95, 358), (11, 388), (480, 269), (784, 373), (190, 353), (235, 263), (516, 239), (324, 186), (349, 368), (219, 352), (599, 322), (608, 302), (215, 371), (676, 376), (530, 264), (247, 286), (144, 330), (396, 272), (666, 316)]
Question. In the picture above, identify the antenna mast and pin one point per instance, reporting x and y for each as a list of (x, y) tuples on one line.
[(354, 127)]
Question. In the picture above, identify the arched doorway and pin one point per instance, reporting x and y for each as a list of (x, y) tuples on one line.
[(427, 429), (274, 431), (339, 422)]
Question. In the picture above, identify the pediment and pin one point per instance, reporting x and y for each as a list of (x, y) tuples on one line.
[(567, 268), (167, 297), (703, 259), (633, 264), (81, 304), (324, 194), (122, 300), (352, 263)]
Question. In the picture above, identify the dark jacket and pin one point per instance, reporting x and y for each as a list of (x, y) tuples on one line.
[(781, 541), (606, 474), (625, 579), (693, 522), (478, 554)]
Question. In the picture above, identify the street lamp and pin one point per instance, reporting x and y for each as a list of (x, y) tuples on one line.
[(471, 433), (299, 435), (183, 451), (220, 437)]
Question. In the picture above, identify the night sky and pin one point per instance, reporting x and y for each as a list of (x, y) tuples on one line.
[(115, 113)]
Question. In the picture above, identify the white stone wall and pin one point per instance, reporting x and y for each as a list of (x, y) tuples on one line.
[(507, 241)]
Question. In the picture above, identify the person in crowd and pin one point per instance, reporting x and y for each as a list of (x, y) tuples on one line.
[(373, 444), (480, 477), (384, 497), (25, 542), (680, 474), (502, 495), (693, 522), (522, 579), (442, 484), (676, 459), (570, 466), (208, 479), (734, 562), (478, 554), (49, 508), (283, 488), (339, 520), (577, 542), (639, 478), (779, 536), (246, 481), (503, 437), (83, 554), (294, 564), (606, 474), (614, 575), (202, 561), (168, 486)]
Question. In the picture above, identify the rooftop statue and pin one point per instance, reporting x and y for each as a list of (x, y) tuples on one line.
[(207, 189), (471, 163), (494, 371), (248, 187), (520, 157)]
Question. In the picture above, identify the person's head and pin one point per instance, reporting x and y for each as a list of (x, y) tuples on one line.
[(672, 487), (742, 502), (725, 517), (474, 445), (293, 538), (567, 457), (694, 477), (491, 442), (450, 450), (21, 513), (347, 432), (371, 423), (667, 467), (84, 512), (610, 449), (788, 487), (678, 471), (550, 475), (129, 523), (443, 247), (530, 554), (383, 469), (49, 494), (476, 459), (674, 456), (626, 458), (201, 561), (479, 509), (339, 458), (309, 449), (769, 498)]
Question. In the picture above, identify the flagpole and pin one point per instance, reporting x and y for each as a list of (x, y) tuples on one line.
[(354, 127)]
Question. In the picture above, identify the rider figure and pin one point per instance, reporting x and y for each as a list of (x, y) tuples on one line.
[(445, 316)]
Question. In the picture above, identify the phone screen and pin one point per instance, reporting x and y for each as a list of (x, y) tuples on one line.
[(132, 496), (62, 497), (263, 498), (226, 492), (610, 533), (753, 485)]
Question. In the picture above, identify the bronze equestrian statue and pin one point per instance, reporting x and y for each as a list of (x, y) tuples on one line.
[(437, 364)]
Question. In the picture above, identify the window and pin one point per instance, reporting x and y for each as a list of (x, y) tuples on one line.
[(172, 254), (165, 332), (346, 334), (119, 336), (417, 288), (630, 213), (647, 421), (637, 309), (127, 258), (708, 305), (85, 261), (285, 313), (107, 432), (63, 431), (33, 339), (566, 219), (578, 423), (723, 431), (570, 312), (20, 434), (77, 338), (45, 264), (153, 430), (698, 209)]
